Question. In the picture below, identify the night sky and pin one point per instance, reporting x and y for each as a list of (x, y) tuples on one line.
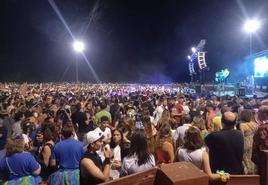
[(126, 40)]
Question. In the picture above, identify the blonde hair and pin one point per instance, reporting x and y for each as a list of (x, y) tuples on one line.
[(15, 145)]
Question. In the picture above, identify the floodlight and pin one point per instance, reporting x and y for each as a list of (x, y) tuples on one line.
[(78, 46), (252, 26)]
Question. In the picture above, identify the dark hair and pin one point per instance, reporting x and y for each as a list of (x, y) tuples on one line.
[(164, 130), (104, 118), (78, 106), (27, 126), (67, 130), (48, 130), (246, 115), (146, 119), (187, 118), (113, 144), (18, 116), (103, 105), (193, 139), (139, 147)]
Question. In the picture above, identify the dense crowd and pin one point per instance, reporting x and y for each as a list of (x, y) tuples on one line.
[(92, 133)]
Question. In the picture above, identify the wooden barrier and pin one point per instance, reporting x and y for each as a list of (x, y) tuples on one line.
[(143, 178), (244, 179), (240, 180), (184, 173)]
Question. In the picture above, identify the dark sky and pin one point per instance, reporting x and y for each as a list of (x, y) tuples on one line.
[(126, 40)]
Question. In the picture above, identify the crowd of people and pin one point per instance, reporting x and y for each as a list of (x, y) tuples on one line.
[(93, 133)]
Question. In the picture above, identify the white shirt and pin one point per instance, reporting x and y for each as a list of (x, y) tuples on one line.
[(180, 132), (157, 114), (107, 133), (130, 165), (116, 157), (195, 157)]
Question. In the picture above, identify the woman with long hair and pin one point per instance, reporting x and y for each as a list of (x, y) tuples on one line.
[(151, 134), (165, 149), (128, 130), (139, 157), (116, 145), (248, 128), (46, 138), (166, 118), (194, 151)]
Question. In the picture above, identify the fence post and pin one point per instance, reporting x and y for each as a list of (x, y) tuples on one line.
[(263, 168)]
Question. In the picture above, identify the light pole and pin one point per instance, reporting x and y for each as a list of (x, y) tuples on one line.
[(251, 26), (78, 47)]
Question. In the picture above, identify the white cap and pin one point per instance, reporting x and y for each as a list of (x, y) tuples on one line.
[(94, 135)]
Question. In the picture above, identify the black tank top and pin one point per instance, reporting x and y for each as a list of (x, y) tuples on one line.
[(88, 179)]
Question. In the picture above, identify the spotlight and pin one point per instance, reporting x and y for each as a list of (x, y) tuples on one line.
[(78, 46), (252, 26)]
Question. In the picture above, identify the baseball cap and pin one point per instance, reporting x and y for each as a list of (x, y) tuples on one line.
[(94, 135)]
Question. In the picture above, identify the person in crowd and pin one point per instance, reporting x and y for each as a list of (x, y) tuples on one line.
[(248, 128), (128, 130), (151, 134), (115, 110), (68, 154), (260, 139), (200, 123), (216, 124), (3, 138), (101, 113), (106, 131), (8, 121), (79, 120), (69, 151), (27, 130), (158, 110), (116, 145), (166, 118), (194, 151), (16, 128), (45, 138), (177, 111), (18, 163), (165, 148), (139, 158), (92, 169), (180, 131), (226, 147), (210, 116)]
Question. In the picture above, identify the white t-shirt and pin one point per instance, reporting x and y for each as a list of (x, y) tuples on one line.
[(107, 133), (195, 157), (157, 114), (180, 132), (116, 157), (130, 165)]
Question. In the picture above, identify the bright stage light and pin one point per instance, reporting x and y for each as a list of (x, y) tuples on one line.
[(252, 26), (78, 46), (193, 49), (189, 57)]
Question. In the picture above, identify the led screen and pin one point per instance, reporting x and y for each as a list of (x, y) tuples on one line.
[(261, 67)]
